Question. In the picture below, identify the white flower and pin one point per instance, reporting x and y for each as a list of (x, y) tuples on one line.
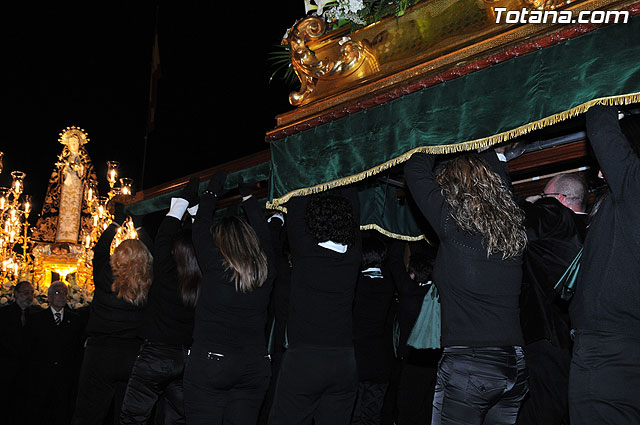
[(318, 6), (308, 6)]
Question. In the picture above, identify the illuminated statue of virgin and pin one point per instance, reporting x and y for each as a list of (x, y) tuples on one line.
[(66, 215)]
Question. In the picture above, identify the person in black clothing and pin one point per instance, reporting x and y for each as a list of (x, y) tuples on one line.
[(478, 273), (14, 321), (228, 368), (605, 312), (372, 337), (418, 367), (167, 326), (122, 281), (55, 345), (555, 229), (278, 306), (318, 377)]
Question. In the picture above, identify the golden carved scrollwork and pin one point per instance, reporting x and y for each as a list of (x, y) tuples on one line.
[(309, 68)]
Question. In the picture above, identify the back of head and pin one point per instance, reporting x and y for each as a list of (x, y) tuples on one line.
[(189, 273), (132, 266), (244, 258), (481, 203), (330, 218), (374, 250), (572, 187)]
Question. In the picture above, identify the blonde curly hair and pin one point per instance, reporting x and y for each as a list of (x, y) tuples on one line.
[(481, 203)]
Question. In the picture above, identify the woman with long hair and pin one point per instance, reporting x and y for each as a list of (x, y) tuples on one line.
[(122, 282), (167, 326), (482, 377), (228, 369)]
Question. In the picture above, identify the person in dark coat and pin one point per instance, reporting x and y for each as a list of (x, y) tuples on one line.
[(167, 326), (556, 225), (228, 368), (55, 345), (122, 282), (417, 367), (14, 321), (605, 312), (318, 376), (482, 376), (372, 337)]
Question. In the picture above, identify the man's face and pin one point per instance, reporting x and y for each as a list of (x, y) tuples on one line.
[(58, 296), (24, 295)]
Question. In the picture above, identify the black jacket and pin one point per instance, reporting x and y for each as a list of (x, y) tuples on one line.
[(322, 282), (110, 316), (479, 295), (554, 238), (608, 285), (224, 316), (166, 319)]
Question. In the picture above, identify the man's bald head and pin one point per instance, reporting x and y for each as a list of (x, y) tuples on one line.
[(570, 190)]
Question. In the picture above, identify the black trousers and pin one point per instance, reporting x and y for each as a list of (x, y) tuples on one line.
[(416, 386), (225, 385), (604, 381), (548, 399), (369, 401), (103, 378), (315, 384), (477, 386), (157, 372)]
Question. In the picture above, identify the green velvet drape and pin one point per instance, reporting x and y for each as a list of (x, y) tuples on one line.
[(256, 173), (478, 109)]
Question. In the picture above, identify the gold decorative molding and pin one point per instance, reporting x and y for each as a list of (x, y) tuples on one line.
[(342, 59), (430, 38)]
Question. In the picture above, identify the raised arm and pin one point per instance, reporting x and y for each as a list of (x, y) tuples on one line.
[(102, 273), (496, 165), (171, 225), (619, 163), (426, 192), (206, 252)]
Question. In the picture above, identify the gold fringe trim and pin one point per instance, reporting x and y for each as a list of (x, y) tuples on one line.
[(394, 235), (460, 147)]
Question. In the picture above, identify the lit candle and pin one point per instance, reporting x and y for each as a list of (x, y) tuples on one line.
[(88, 242)]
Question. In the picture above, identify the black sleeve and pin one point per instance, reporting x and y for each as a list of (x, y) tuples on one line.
[(102, 274), (619, 163), (499, 167), (165, 237), (300, 239), (258, 222), (209, 257), (426, 192)]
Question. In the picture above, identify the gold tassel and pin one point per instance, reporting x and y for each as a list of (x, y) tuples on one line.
[(460, 147)]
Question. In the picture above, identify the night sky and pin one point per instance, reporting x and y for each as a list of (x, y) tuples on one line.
[(91, 68)]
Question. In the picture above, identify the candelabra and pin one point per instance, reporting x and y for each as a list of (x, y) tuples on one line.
[(15, 242), (99, 205)]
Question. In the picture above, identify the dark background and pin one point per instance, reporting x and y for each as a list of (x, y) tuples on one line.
[(91, 67)]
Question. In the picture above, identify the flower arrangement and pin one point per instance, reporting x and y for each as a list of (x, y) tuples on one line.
[(356, 13)]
